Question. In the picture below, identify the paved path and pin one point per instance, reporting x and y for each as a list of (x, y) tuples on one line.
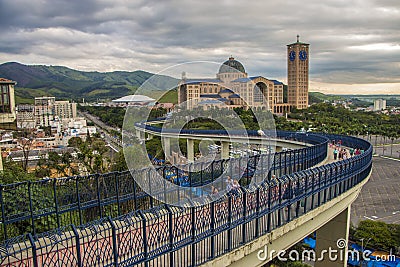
[(388, 150), (380, 197)]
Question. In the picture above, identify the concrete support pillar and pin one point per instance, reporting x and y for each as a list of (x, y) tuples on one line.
[(167, 146), (224, 150), (149, 136), (190, 149), (138, 134), (327, 240)]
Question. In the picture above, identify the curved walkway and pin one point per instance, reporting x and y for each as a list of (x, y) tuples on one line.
[(169, 236)]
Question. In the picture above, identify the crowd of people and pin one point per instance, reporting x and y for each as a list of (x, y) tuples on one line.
[(341, 153)]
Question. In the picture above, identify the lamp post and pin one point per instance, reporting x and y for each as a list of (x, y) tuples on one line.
[(362, 250)]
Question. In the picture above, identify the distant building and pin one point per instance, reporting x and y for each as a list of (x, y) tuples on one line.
[(26, 116), (44, 110), (232, 87), (379, 104), (47, 109), (133, 100), (7, 104), (297, 73)]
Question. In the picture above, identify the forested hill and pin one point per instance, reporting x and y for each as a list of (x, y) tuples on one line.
[(66, 83)]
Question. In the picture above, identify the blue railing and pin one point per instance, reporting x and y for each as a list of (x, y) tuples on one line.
[(39, 206), (170, 236)]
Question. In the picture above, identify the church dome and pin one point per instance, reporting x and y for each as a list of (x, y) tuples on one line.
[(231, 66)]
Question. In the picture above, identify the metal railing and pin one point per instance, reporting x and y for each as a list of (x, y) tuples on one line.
[(170, 236), (39, 206)]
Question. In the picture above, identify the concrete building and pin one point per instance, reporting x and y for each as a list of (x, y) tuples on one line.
[(44, 110), (26, 116), (7, 104), (47, 109), (379, 104), (297, 74)]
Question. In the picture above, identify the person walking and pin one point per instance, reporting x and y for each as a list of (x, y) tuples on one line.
[(335, 153), (229, 183)]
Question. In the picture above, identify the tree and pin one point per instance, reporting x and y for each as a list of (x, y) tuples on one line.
[(119, 163), (379, 233), (92, 155), (26, 145), (75, 142), (13, 172)]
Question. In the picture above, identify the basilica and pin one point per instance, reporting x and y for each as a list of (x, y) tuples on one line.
[(233, 88)]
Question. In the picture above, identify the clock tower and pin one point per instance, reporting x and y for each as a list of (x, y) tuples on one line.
[(298, 64)]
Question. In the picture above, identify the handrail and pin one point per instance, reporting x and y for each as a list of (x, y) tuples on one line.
[(198, 234), (42, 205)]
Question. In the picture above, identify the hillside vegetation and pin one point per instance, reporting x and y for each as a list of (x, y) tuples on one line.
[(66, 83)]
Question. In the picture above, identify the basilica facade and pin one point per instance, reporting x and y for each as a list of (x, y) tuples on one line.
[(232, 87)]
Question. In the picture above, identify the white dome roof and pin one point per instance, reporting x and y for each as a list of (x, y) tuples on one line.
[(134, 98)]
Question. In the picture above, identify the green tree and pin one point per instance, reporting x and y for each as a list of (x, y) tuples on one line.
[(119, 162), (380, 234)]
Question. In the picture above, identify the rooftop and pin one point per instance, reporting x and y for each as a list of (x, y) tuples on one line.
[(231, 66), (6, 81), (134, 98)]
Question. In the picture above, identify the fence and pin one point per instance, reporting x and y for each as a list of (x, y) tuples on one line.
[(170, 236), (39, 206)]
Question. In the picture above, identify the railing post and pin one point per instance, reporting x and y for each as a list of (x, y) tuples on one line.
[(116, 178), (190, 168), (290, 197), (257, 212), (56, 202), (305, 193), (3, 215), (229, 222), (34, 252), (78, 246), (201, 173), (312, 190), (269, 206), (78, 199), (280, 202), (31, 207), (212, 210), (171, 235), (149, 179), (244, 195), (114, 240), (144, 236), (193, 215), (285, 163), (212, 171), (98, 195), (134, 191)]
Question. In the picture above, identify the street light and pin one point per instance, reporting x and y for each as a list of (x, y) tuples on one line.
[(362, 249)]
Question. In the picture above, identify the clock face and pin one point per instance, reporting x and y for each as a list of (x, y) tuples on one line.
[(292, 55), (303, 55)]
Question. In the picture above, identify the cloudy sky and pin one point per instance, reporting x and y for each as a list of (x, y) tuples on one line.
[(355, 44)]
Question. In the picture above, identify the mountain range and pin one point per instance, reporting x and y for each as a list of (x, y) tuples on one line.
[(66, 83)]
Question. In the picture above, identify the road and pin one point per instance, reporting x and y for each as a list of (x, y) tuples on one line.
[(113, 142)]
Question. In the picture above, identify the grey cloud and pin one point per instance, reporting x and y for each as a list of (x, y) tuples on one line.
[(152, 34)]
